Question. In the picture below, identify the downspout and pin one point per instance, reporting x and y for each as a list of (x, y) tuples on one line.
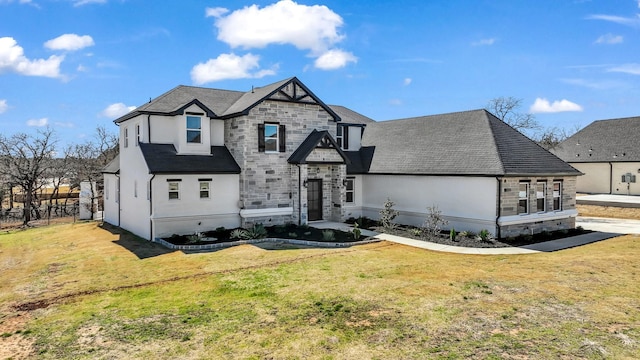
[(499, 212), (149, 126), (151, 207), (610, 177), (299, 195)]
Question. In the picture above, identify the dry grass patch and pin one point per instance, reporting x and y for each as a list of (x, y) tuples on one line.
[(374, 301), (608, 212)]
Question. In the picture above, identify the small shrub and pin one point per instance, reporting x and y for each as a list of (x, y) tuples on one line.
[(257, 232), (484, 235), (579, 229), (388, 214), (434, 221), (240, 234), (328, 235), (197, 237), (221, 229), (292, 235), (415, 231), (452, 234), (356, 231)]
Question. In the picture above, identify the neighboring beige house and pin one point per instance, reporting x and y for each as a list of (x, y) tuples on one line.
[(195, 159), (608, 153)]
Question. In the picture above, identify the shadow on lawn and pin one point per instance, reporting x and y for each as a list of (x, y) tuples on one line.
[(143, 249)]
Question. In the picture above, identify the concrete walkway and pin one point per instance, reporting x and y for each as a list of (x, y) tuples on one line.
[(620, 226), (628, 201), (547, 246)]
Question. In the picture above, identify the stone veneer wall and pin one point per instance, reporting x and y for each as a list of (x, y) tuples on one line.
[(267, 180), (509, 197)]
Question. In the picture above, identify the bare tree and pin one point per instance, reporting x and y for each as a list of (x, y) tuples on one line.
[(507, 110), (24, 159), (88, 160), (549, 138)]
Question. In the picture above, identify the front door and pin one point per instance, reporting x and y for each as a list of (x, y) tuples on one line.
[(314, 199)]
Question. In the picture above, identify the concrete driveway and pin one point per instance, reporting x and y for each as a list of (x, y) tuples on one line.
[(619, 226)]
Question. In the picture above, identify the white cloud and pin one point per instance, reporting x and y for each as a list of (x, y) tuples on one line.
[(12, 59), (628, 21), (215, 12), (77, 3), (484, 42), (395, 102), (64, 124), (116, 110), (334, 59), (312, 28), (542, 105), (633, 69), (69, 42), (228, 66), (3, 105), (610, 39), (38, 122), (407, 81)]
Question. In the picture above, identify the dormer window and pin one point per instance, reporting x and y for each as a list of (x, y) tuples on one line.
[(342, 136), (194, 129)]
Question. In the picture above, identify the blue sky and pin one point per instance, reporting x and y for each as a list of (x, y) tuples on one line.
[(76, 64)]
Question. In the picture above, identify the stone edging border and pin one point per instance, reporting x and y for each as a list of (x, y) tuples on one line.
[(225, 245)]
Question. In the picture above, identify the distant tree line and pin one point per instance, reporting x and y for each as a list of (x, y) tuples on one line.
[(507, 109), (31, 162)]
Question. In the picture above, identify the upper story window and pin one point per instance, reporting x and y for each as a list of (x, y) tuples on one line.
[(350, 182), (541, 196), (342, 136), (194, 129), (137, 134), (126, 137), (523, 198), (205, 188), (557, 195), (174, 189), (271, 138)]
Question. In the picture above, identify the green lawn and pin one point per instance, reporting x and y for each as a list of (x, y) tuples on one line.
[(81, 291)]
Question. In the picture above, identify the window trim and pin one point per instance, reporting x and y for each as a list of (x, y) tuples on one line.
[(126, 137), (176, 190), (544, 196), (208, 190), (281, 143), (559, 197), (277, 138), (137, 134), (525, 198), (189, 129), (350, 180)]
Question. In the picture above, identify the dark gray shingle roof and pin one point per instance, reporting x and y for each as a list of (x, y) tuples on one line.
[(462, 143), (113, 167), (615, 140), (349, 116), (163, 159)]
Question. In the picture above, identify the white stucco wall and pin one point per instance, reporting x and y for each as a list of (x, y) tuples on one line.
[(162, 129), (190, 213), (355, 209), (355, 135), (217, 132), (468, 203), (110, 210), (603, 178), (134, 205)]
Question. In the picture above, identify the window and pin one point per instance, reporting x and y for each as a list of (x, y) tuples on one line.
[(205, 187), (342, 136), (271, 138), (541, 196), (106, 188), (174, 189), (135, 188), (194, 129), (137, 134), (349, 185), (557, 196), (126, 137), (523, 198)]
